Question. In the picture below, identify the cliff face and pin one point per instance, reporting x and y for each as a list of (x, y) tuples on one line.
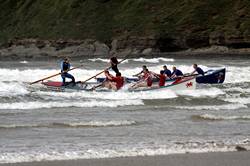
[(163, 25)]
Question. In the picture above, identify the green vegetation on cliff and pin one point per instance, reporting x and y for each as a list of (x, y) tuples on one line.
[(194, 21)]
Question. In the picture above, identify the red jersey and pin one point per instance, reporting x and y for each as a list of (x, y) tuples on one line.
[(162, 80), (147, 77), (119, 81)]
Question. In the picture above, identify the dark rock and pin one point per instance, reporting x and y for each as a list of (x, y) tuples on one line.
[(240, 148)]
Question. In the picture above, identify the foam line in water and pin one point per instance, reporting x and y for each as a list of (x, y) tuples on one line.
[(221, 117), (234, 76), (50, 154), (59, 104), (147, 60), (71, 124), (213, 107), (241, 100), (110, 96), (210, 92), (12, 89)]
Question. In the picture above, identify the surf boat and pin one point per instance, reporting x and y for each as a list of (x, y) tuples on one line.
[(184, 83), (212, 77)]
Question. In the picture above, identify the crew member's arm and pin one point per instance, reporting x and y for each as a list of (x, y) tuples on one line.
[(109, 76), (136, 75), (155, 74), (192, 72)]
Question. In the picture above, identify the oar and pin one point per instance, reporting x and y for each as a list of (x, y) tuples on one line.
[(102, 71), (53, 75)]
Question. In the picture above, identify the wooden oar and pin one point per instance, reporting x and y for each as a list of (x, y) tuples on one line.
[(53, 75), (102, 71)]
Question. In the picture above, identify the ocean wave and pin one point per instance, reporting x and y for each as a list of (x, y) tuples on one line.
[(128, 151), (241, 100), (213, 107), (12, 89), (59, 104), (233, 76), (24, 62), (71, 124), (110, 96), (220, 117), (153, 60), (210, 92), (147, 60)]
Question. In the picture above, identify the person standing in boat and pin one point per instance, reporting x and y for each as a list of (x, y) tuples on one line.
[(114, 62), (197, 69), (113, 82), (176, 73), (166, 71), (65, 66)]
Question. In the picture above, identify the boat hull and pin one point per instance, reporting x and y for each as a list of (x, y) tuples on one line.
[(186, 83), (212, 77)]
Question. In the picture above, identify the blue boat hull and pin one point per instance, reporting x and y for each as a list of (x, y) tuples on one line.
[(212, 77)]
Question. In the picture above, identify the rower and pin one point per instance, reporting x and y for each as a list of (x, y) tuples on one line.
[(144, 67), (176, 73), (65, 66), (146, 80), (114, 62), (166, 71), (197, 69), (162, 78), (113, 82)]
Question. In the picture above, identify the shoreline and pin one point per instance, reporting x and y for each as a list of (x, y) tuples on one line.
[(188, 159)]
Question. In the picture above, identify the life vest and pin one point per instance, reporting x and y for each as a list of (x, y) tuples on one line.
[(65, 66), (147, 77), (162, 80), (119, 81)]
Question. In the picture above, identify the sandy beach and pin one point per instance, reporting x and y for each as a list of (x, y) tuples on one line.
[(201, 159)]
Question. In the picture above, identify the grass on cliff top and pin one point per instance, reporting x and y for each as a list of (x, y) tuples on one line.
[(107, 19)]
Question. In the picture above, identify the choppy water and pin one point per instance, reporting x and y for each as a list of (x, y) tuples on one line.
[(36, 124)]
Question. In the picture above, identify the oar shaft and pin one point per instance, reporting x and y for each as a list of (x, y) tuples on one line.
[(52, 76), (102, 71)]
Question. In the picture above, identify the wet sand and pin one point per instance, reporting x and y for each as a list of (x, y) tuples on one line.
[(194, 159)]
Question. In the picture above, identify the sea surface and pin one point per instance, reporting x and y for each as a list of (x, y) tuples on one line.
[(37, 124)]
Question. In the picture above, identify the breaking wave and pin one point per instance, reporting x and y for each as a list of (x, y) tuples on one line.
[(71, 124), (220, 117), (59, 104), (213, 107)]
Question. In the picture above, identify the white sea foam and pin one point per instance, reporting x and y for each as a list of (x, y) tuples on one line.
[(234, 76), (238, 89), (110, 96), (210, 92), (52, 154), (223, 117), (153, 60), (59, 104), (12, 89), (147, 60), (241, 100), (213, 107), (71, 124), (99, 59), (24, 62)]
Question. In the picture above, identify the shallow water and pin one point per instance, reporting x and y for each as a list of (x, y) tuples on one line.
[(37, 124)]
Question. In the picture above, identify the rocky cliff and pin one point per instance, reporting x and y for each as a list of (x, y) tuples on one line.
[(107, 26)]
